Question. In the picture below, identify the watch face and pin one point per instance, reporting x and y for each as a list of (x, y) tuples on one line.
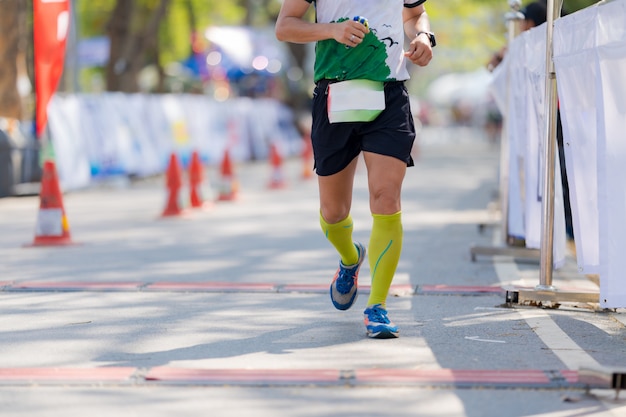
[(433, 41), (431, 38)]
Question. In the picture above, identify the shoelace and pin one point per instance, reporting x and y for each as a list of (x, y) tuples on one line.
[(345, 280), (378, 315)]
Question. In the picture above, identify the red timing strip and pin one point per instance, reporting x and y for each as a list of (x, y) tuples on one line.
[(311, 288), (468, 378), (570, 376), (75, 286), (37, 375), (186, 287), (210, 286), (244, 376), (453, 376)]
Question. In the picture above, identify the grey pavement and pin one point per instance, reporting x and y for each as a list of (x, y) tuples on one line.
[(225, 311)]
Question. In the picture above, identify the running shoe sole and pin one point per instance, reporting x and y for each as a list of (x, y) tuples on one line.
[(377, 323)]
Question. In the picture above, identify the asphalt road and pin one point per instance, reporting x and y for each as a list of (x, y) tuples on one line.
[(224, 311)]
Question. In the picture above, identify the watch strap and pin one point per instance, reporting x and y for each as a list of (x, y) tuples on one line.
[(431, 37)]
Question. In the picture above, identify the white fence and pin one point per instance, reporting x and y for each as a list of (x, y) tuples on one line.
[(102, 135), (590, 63)]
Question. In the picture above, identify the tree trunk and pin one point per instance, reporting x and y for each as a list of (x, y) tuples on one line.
[(10, 101), (256, 12), (131, 49), (191, 15), (118, 30)]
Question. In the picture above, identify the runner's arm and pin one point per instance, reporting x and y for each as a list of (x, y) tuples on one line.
[(416, 20), (291, 26)]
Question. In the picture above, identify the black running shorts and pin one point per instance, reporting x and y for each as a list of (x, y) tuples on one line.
[(392, 133)]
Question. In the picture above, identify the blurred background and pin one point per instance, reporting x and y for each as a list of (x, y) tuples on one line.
[(225, 51)]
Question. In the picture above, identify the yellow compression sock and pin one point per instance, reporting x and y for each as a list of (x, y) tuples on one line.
[(340, 235), (384, 254)]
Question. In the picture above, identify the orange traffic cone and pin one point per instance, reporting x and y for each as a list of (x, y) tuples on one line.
[(307, 158), (228, 187), (196, 177), (277, 179), (52, 226), (173, 183)]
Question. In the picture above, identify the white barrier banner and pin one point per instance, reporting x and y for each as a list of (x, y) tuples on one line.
[(504, 76), (97, 136), (534, 89), (525, 126), (72, 161), (612, 201), (590, 61), (146, 147), (578, 85), (202, 118)]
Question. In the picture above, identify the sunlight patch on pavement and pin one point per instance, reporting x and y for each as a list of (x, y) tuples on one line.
[(448, 217)]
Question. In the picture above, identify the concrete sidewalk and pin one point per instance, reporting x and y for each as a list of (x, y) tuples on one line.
[(225, 311)]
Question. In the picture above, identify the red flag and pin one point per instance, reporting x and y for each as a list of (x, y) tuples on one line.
[(51, 19)]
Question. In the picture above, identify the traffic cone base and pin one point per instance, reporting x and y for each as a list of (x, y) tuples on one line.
[(172, 210), (277, 179), (228, 187), (52, 227), (51, 241), (196, 178), (195, 199), (173, 182), (197, 202)]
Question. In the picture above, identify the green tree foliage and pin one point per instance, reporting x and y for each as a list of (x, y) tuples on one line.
[(468, 31), (9, 49), (194, 16), (571, 6), (184, 21)]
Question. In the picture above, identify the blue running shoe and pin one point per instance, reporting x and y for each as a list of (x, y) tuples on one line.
[(378, 324), (343, 289)]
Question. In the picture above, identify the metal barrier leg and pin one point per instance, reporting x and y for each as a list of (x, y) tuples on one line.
[(603, 378)]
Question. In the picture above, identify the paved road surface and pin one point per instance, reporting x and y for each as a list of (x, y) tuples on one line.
[(225, 311)]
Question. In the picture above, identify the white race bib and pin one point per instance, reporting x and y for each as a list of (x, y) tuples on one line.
[(355, 101)]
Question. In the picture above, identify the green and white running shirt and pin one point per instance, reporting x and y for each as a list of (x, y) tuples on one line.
[(380, 57)]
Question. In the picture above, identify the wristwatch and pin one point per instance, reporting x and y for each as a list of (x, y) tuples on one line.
[(431, 38)]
